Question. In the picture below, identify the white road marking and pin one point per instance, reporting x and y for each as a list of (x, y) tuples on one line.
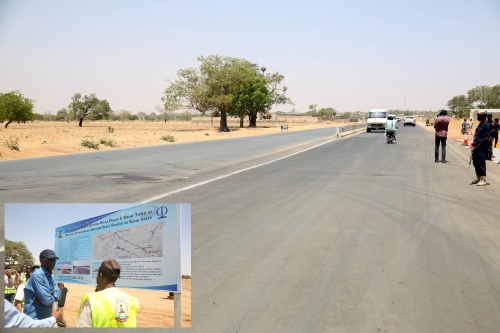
[(228, 175)]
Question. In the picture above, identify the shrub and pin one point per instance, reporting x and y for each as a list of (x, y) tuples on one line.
[(108, 142), (206, 134), (168, 138), (110, 129), (90, 143), (12, 143)]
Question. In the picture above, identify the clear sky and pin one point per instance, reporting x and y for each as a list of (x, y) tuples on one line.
[(35, 224), (350, 55)]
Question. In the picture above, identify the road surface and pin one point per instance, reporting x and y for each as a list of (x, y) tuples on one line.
[(354, 235)]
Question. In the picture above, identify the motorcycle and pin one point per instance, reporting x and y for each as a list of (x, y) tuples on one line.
[(390, 136)]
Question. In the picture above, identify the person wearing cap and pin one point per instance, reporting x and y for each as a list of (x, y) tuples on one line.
[(441, 128), (41, 289), (480, 148), (14, 318), (108, 307)]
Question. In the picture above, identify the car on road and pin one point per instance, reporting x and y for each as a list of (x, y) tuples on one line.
[(376, 120), (409, 121)]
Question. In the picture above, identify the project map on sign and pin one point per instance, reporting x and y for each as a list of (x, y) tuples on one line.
[(136, 242)]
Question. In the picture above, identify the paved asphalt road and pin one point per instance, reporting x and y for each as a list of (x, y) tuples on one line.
[(352, 236)]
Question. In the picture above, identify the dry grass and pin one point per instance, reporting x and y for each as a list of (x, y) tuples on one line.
[(57, 138)]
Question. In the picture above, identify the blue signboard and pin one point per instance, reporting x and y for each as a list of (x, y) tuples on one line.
[(144, 240)]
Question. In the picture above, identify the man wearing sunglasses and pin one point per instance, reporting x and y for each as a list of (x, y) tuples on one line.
[(41, 290)]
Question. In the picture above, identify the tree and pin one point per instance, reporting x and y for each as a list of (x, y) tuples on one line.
[(165, 113), (142, 115), (312, 108), (277, 92), (124, 115), (249, 99), (223, 77), (152, 117), (16, 253), (327, 112), (101, 110), (460, 106), (15, 107), (479, 96), (82, 107)]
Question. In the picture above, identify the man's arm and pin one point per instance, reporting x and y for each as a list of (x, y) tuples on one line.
[(85, 315), (42, 290), (14, 318)]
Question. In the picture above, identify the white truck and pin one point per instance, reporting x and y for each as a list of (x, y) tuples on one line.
[(376, 120)]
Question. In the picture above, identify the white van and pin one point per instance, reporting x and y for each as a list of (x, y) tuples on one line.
[(376, 120)]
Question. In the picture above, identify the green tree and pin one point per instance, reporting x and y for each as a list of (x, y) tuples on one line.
[(152, 117), (478, 96), (15, 107), (124, 115), (101, 110), (277, 92), (142, 115), (460, 106), (82, 107), (249, 99), (223, 77), (327, 112), (16, 253)]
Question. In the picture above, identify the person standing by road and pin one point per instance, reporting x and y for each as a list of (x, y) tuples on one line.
[(441, 127), (471, 123), (480, 148), (41, 290), (9, 280), (495, 132), (19, 299), (109, 307), (465, 126), (490, 156)]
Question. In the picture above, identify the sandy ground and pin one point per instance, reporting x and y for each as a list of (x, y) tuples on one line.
[(57, 138), (156, 310)]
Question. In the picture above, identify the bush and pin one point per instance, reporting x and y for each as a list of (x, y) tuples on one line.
[(168, 138), (90, 143), (110, 129), (186, 276), (108, 142), (206, 134), (12, 143)]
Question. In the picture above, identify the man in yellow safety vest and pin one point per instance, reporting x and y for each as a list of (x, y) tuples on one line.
[(109, 307), (9, 280)]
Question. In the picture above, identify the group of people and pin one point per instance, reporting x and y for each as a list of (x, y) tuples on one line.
[(107, 307), (482, 144)]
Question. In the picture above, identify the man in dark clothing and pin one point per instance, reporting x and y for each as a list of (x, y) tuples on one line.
[(441, 127), (480, 148), (494, 133)]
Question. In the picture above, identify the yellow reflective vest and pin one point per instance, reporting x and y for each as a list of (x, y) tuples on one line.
[(11, 290), (112, 308)]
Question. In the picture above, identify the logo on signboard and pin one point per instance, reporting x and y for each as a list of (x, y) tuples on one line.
[(162, 212), (121, 310)]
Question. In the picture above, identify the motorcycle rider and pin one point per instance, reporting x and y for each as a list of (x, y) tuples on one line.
[(390, 126)]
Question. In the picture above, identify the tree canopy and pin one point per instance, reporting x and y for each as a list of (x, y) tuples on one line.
[(89, 105), (327, 112), (214, 85), (15, 107), (17, 253), (249, 99), (480, 97)]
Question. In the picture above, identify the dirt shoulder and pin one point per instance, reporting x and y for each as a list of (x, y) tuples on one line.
[(58, 138)]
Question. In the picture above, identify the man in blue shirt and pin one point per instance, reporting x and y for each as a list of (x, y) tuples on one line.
[(390, 126), (14, 318), (41, 290)]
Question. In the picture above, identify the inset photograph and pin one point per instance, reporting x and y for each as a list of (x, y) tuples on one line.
[(81, 267), (64, 267)]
